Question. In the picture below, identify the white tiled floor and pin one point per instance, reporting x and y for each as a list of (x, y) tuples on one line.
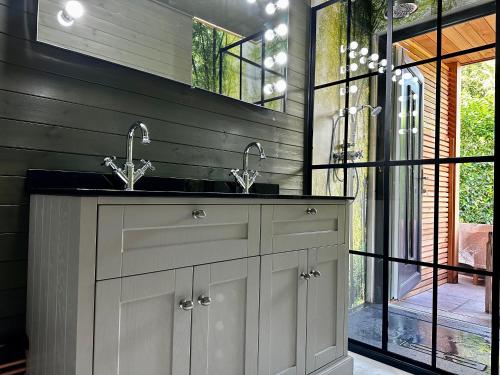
[(366, 366)]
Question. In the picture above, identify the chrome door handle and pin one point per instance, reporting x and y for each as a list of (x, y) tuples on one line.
[(204, 300), (315, 273), (199, 214), (311, 211), (305, 276), (186, 304)]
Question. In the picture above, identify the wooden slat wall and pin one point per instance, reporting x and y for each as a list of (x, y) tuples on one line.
[(63, 110)]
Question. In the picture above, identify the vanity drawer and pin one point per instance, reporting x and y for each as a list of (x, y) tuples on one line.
[(135, 239), (297, 227)]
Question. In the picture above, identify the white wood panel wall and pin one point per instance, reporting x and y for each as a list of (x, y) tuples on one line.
[(140, 34)]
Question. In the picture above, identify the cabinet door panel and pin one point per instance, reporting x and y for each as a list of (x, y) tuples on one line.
[(282, 329), (325, 307), (224, 333), (140, 328)]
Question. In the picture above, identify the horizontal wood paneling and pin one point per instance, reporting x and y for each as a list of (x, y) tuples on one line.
[(64, 110)]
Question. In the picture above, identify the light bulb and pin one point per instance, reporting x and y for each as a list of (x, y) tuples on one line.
[(383, 62), (394, 78), (270, 9), (281, 29), (352, 54), (374, 57), (414, 113), (414, 130), (381, 69), (280, 85), (64, 20), (353, 110), (353, 45), (269, 35), (74, 9), (353, 89), (269, 62), (362, 60), (372, 65), (401, 82), (282, 4), (397, 72), (353, 67), (281, 58), (342, 91), (363, 51), (268, 89)]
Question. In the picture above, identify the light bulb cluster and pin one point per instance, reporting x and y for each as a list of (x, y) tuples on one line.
[(277, 87), (72, 11), (279, 59), (279, 31), (272, 7), (361, 56), (353, 89)]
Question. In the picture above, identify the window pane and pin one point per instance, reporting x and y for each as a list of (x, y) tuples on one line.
[(414, 108), (410, 311), (464, 325), (412, 212), (365, 300), (331, 30)]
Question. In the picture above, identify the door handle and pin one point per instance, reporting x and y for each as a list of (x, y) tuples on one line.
[(305, 276), (204, 300), (186, 304), (315, 273), (199, 214), (312, 211)]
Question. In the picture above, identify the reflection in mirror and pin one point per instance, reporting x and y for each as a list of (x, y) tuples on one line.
[(237, 48)]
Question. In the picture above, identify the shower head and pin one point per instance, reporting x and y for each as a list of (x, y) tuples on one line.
[(403, 8)]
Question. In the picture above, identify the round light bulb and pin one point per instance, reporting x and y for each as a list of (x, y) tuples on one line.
[(414, 130), (270, 9), (363, 51), (281, 58), (414, 113), (280, 85), (394, 78), (353, 67), (353, 89), (281, 29), (374, 57), (269, 35), (74, 9), (352, 54), (268, 89), (401, 82), (362, 60), (398, 72), (381, 70), (353, 110), (372, 65), (269, 62), (383, 62), (64, 20), (282, 4), (353, 45)]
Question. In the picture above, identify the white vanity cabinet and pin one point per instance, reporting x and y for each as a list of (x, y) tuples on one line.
[(187, 286)]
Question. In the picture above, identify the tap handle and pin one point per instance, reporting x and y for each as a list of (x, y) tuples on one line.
[(148, 164), (108, 160)]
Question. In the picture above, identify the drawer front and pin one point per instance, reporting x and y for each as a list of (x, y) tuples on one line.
[(297, 227), (135, 239)]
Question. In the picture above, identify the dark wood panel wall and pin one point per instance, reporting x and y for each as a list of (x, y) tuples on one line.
[(63, 110)]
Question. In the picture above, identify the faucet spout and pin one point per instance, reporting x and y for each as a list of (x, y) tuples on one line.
[(130, 138), (246, 153)]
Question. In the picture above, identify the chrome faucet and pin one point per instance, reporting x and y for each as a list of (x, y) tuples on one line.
[(248, 177), (129, 175)]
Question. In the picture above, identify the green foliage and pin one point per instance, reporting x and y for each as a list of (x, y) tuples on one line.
[(477, 137)]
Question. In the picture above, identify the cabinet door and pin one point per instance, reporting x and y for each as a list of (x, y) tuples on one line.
[(282, 330), (325, 306), (139, 326), (225, 328)]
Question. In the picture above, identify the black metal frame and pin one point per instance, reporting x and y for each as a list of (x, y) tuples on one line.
[(382, 354), (226, 51)]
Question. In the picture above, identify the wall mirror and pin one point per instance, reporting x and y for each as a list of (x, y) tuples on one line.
[(237, 48)]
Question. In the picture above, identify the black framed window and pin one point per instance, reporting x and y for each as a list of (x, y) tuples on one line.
[(402, 119)]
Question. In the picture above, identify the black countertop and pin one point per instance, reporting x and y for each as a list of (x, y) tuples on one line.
[(96, 184)]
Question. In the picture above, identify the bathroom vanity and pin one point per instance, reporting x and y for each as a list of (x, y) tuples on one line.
[(156, 282)]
